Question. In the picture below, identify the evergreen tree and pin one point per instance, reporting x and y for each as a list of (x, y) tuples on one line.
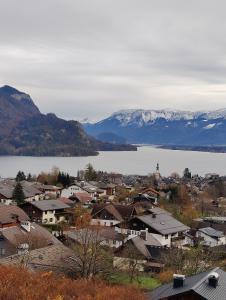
[(20, 176), (64, 179), (90, 173), (29, 177), (187, 173), (18, 194)]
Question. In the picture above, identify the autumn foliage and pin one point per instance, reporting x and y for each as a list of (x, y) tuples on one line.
[(19, 284), (165, 276)]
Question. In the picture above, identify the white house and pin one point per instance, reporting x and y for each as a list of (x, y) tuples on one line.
[(211, 237), (70, 191), (47, 211), (162, 226)]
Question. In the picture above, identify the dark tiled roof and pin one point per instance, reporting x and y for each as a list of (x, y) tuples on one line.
[(120, 212), (212, 232), (51, 258), (45, 205), (9, 213), (38, 235), (161, 221), (101, 234), (82, 197), (7, 188), (221, 227), (198, 284)]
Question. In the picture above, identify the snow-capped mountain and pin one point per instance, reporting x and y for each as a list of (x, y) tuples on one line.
[(164, 127), (142, 117)]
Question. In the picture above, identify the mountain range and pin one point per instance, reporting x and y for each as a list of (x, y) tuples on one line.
[(163, 127), (24, 130)]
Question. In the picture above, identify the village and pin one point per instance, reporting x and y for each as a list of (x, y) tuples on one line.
[(124, 229)]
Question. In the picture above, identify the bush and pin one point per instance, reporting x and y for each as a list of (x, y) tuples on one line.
[(19, 284)]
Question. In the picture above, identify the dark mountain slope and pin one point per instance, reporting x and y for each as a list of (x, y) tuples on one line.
[(25, 131)]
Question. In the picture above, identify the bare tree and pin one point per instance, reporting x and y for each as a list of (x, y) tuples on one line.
[(188, 262), (134, 261), (91, 256)]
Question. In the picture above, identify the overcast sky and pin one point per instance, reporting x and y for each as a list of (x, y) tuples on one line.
[(89, 58)]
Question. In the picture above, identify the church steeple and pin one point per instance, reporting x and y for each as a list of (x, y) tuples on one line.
[(157, 167)]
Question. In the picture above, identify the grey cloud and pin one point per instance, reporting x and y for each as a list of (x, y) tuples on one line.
[(83, 58)]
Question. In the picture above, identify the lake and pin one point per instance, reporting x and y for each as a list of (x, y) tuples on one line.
[(141, 162)]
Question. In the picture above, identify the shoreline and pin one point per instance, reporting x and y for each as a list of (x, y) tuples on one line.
[(208, 149)]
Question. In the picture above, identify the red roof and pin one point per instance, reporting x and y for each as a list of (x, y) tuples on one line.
[(82, 197)]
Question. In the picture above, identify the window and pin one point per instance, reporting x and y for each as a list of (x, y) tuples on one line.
[(166, 236), (51, 219), (2, 251), (111, 223)]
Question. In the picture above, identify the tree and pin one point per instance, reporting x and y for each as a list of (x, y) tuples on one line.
[(18, 194), (91, 258), (90, 173), (20, 176), (187, 262), (30, 177), (64, 179), (134, 258), (49, 178), (187, 173)]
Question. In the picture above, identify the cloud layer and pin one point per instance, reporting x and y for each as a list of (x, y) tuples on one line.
[(88, 58)]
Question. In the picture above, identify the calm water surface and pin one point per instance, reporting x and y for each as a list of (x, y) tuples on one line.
[(141, 162)]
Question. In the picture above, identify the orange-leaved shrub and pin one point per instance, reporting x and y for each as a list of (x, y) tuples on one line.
[(20, 284), (165, 276)]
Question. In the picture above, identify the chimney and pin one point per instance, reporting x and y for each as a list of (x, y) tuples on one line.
[(213, 279), (143, 235), (178, 280), (26, 225)]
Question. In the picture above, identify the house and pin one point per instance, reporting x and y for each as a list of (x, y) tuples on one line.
[(70, 191), (18, 234), (48, 190), (47, 211), (53, 258), (107, 236), (152, 193), (160, 223), (111, 214), (145, 248), (94, 191), (11, 215), (31, 193), (83, 198), (207, 285), (218, 223), (211, 237), (25, 235), (144, 198), (110, 188)]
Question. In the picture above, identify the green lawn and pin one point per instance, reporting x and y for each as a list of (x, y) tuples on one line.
[(143, 282)]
